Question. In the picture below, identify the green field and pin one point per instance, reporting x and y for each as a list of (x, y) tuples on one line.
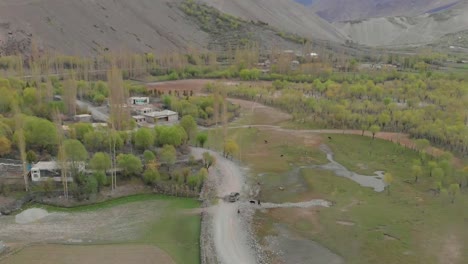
[(410, 225), (175, 232)]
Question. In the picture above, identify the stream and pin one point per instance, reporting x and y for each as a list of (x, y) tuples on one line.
[(376, 181)]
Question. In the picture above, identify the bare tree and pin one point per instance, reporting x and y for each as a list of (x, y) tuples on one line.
[(69, 94), (118, 95), (62, 155), (21, 142)]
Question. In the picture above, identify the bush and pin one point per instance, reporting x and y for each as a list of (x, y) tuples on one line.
[(91, 186), (151, 176), (48, 186), (149, 156), (101, 179), (130, 164)]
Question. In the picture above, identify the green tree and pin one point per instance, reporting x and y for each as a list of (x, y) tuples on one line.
[(101, 179), (80, 130), (454, 189), (230, 148), (416, 170), (5, 146), (208, 160), (438, 174), (374, 129), (432, 165), (74, 152), (100, 161), (30, 96), (149, 156), (422, 144), (40, 133), (91, 186), (168, 154), (170, 135), (130, 164), (201, 139), (189, 125), (151, 176), (388, 180), (31, 157), (144, 138)]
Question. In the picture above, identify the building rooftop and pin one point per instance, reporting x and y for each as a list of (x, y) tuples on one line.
[(54, 165), (138, 117), (163, 113), (46, 165)]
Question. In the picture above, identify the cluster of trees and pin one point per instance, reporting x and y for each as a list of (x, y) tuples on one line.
[(141, 154), (205, 109), (446, 179), (434, 108)]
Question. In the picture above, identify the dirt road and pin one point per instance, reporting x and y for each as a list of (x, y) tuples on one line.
[(95, 112), (229, 231)]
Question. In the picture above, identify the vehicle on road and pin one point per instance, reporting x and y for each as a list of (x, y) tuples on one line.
[(233, 197)]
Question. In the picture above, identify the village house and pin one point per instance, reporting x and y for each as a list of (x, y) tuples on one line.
[(143, 110), (161, 116), (139, 119), (138, 100), (85, 118), (45, 170)]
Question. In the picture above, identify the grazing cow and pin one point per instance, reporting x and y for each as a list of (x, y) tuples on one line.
[(330, 138), (238, 211), (258, 202), (266, 141), (252, 202), (282, 155)]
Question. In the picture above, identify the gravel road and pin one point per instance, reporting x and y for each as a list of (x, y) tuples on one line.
[(229, 231)]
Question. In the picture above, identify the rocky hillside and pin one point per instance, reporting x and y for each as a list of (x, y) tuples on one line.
[(92, 26), (285, 15), (395, 31), (345, 10)]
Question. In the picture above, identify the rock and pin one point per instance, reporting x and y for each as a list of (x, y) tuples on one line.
[(2, 247), (5, 212), (281, 188)]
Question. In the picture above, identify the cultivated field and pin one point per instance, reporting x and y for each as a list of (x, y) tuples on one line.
[(137, 223)]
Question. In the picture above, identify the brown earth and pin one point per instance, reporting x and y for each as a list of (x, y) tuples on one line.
[(195, 86), (96, 254)]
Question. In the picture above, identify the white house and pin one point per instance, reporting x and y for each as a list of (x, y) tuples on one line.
[(138, 100), (162, 116), (45, 170)]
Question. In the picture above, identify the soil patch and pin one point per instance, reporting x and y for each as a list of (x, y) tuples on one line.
[(451, 250), (30, 215), (345, 223), (96, 254)]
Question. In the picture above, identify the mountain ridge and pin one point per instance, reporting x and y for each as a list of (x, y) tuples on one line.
[(350, 10)]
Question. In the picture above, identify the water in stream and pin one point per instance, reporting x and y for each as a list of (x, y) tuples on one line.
[(376, 182)]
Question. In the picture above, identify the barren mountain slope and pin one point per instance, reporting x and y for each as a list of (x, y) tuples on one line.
[(395, 31), (286, 15), (89, 26), (92, 26), (344, 10)]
